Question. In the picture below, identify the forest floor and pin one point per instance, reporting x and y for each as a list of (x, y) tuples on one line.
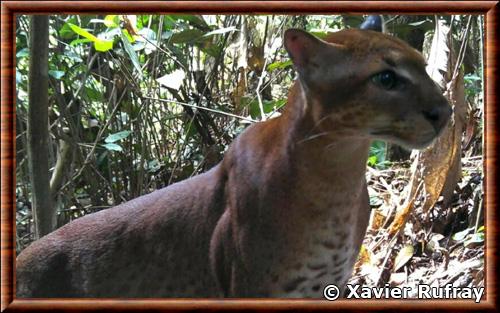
[(442, 246)]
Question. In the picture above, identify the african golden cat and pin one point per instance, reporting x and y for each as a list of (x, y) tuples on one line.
[(283, 214)]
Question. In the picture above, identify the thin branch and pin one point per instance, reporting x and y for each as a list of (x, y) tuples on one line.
[(203, 108), (463, 47)]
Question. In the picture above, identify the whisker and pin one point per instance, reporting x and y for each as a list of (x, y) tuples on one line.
[(330, 145), (312, 137), (320, 121), (314, 128)]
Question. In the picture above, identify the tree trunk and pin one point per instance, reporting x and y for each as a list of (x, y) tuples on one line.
[(38, 132)]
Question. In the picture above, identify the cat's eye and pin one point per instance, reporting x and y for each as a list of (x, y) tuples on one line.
[(386, 79)]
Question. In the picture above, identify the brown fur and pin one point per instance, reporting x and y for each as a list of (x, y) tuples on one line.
[(282, 215)]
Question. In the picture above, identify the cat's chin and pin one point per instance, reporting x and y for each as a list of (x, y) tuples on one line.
[(420, 143)]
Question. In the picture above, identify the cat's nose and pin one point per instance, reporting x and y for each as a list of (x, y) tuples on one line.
[(438, 116)]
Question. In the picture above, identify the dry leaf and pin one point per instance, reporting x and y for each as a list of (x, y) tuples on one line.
[(377, 219), (364, 257), (403, 257), (402, 214), (456, 96), (438, 56), (397, 279)]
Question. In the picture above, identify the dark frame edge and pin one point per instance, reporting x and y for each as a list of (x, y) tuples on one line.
[(245, 6), (490, 153), (7, 152), (10, 8)]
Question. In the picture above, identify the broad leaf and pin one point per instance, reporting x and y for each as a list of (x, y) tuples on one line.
[(112, 147), (131, 53), (103, 45), (279, 65), (56, 74), (474, 240), (99, 44), (462, 234), (117, 136), (112, 20), (186, 36), (403, 257), (194, 20), (22, 53), (82, 32)]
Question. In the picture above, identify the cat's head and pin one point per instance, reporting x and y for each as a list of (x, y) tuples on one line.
[(363, 83)]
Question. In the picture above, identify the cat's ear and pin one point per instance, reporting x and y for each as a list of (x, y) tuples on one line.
[(373, 22), (301, 46), (305, 49)]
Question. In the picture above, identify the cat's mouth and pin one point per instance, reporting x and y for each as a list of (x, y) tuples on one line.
[(421, 141)]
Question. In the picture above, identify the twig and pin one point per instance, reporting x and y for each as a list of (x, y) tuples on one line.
[(259, 98), (203, 108), (261, 77), (389, 252), (461, 53)]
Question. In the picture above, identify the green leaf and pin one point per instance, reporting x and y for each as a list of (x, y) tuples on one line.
[(139, 45), (109, 34), (82, 32), (377, 150), (166, 35), (112, 20), (376, 201), (22, 53), (117, 136), (71, 55), (148, 33), (320, 34), (112, 147), (142, 21), (211, 49), (66, 33), (474, 240), (19, 76), (56, 74), (186, 36), (79, 41), (472, 77), (93, 94), (131, 53), (194, 20), (103, 45), (189, 131), (279, 65), (99, 44), (153, 166), (267, 106), (372, 161), (462, 234), (130, 38)]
